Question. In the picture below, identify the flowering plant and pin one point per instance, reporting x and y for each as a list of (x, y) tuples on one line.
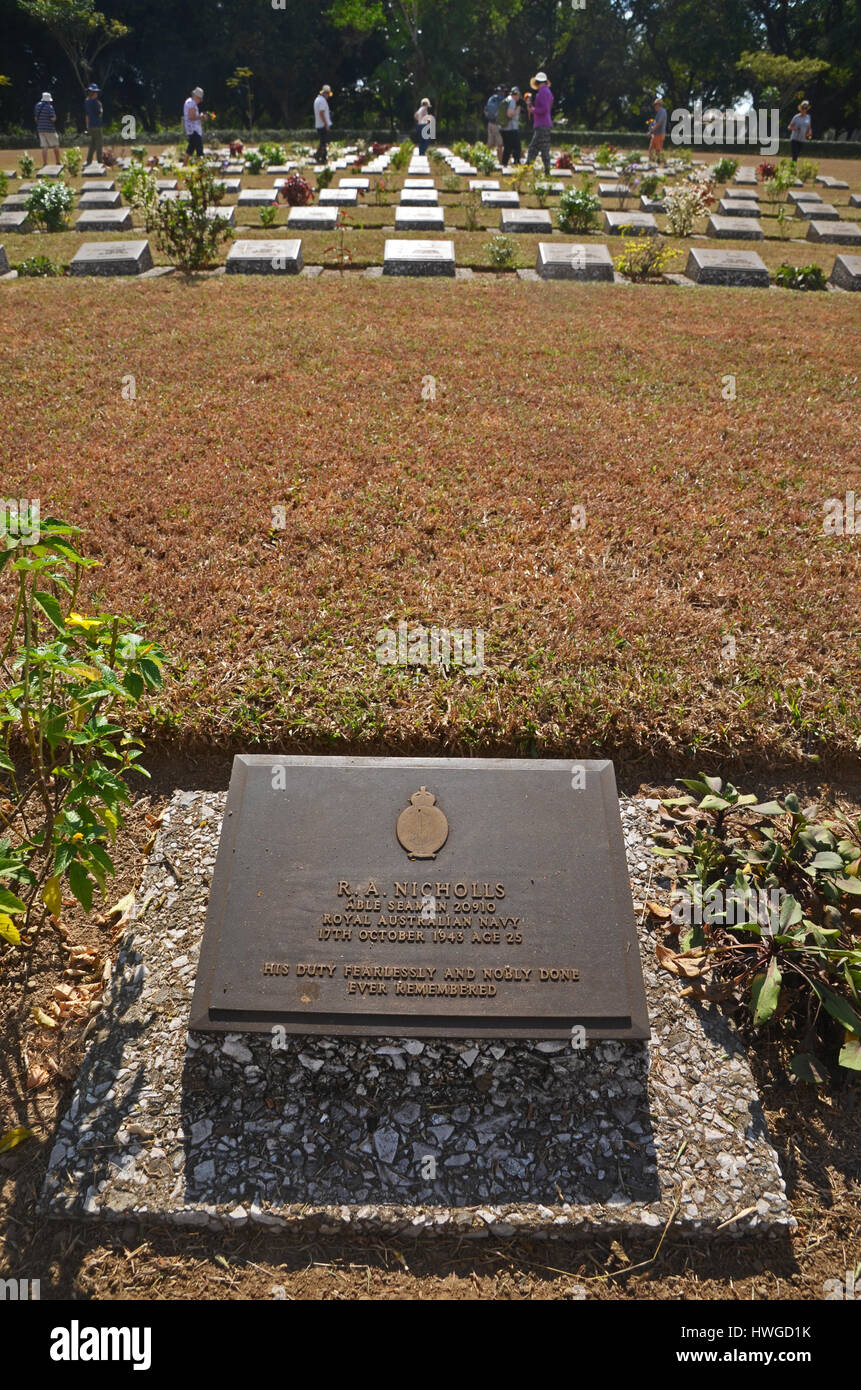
[(296, 191), (49, 202)]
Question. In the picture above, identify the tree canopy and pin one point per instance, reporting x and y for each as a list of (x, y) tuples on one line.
[(606, 60)]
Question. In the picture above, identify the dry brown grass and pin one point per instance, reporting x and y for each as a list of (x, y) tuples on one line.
[(704, 517)]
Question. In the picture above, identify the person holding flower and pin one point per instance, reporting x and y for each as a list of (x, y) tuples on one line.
[(192, 121)]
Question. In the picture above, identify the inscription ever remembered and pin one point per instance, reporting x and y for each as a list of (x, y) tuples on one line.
[(421, 897)]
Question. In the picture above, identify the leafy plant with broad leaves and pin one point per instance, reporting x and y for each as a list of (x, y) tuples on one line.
[(39, 265), (777, 893), (67, 682), (800, 277), (26, 165), (296, 191), (401, 157), (482, 157), (255, 161)]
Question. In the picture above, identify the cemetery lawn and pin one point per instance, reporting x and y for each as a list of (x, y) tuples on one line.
[(701, 612)]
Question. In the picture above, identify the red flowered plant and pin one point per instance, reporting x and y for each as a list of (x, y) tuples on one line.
[(563, 161), (236, 147), (766, 171), (296, 191), (378, 149)]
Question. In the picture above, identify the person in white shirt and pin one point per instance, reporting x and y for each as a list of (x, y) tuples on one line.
[(322, 123), (192, 122)]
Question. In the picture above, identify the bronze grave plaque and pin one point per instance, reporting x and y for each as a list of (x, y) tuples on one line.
[(421, 897)]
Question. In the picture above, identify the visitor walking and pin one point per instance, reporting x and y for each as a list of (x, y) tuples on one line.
[(512, 148), (539, 108), (491, 112), (800, 129), (45, 118), (93, 117), (425, 125), (322, 123), (658, 131), (192, 123)]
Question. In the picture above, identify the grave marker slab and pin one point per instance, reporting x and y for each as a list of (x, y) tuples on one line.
[(822, 212), (355, 183), (651, 204), (16, 202), (225, 214), (855, 200), (484, 185), (525, 220), (746, 194), (419, 183), (92, 171), (643, 222), (257, 198), (613, 190), (737, 207), (409, 219), (110, 220), (419, 197), (50, 171), (803, 197), (111, 258), (265, 257), (848, 233), (708, 265), (94, 186), (485, 898), (15, 222), (162, 184), (418, 258), (740, 228), (339, 197), (106, 199), (571, 261), (311, 219), (846, 273), (495, 199), (233, 185)]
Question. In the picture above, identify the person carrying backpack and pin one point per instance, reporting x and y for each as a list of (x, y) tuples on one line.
[(491, 112)]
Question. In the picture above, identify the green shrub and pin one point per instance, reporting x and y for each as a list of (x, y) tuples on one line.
[(650, 184), (472, 208), (49, 204), (4, 184), (482, 158), (800, 277), (501, 252), (769, 915), (579, 209), (181, 226), (138, 186), (324, 176), (66, 681), (39, 265), (267, 216), (605, 155), (645, 258), (400, 159), (72, 161), (806, 170), (26, 165), (724, 169), (274, 154), (255, 161)]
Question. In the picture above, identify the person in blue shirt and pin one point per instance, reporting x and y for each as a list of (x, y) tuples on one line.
[(93, 116)]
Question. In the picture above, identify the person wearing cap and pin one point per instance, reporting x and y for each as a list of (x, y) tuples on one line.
[(509, 118), (93, 116), (800, 129), (192, 122), (425, 125), (658, 130), (322, 123), (539, 108), (45, 118)]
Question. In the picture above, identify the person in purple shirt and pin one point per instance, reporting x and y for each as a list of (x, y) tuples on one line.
[(539, 108)]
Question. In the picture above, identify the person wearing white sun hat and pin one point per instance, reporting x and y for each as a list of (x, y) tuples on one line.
[(539, 108), (192, 121), (45, 118)]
